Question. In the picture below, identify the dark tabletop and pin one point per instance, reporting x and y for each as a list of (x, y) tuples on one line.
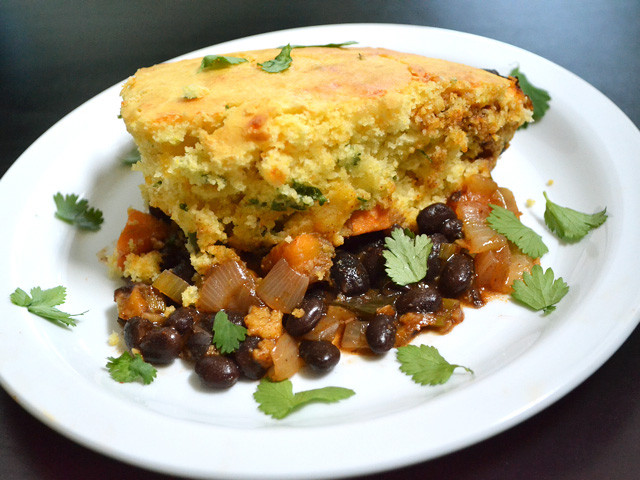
[(56, 55)]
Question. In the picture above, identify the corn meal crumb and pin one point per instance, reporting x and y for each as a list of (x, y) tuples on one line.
[(264, 322), (114, 339), (550, 182), (530, 202)]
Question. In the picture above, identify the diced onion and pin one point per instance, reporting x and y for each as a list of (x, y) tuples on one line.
[(283, 288), (354, 337), (326, 329), (171, 285), (478, 235), (492, 269), (224, 286), (286, 361)]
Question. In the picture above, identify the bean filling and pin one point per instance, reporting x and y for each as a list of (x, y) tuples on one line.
[(355, 308)]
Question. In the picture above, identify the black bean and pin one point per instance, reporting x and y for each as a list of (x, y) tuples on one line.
[(236, 318), (205, 320), (198, 343), (161, 345), (313, 309), (320, 355), (372, 258), (321, 290), (452, 229), (419, 298), (381, 333), (134, 331), (431, 218), (457, 275), (348, 273), (217, 372), (181, 319), (244, 358)]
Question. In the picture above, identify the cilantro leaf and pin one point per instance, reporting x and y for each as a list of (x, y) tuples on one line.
[(539, 97), (217, 62), (43, 303), (227, 335), (425, 365), (568, 224), (130, 368), (278, 400), (327, 45), (539, 290), (406, 257), (506, 223), (280, 63), (131, 158), (77, 212), (309, 191)]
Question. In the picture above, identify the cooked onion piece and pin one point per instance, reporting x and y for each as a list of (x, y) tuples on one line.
[(283, 288), (171, 285), (228, 286)]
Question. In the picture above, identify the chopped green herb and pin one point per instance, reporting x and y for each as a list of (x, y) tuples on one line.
[(43, 303), (217, 62), (278, 400), (425, 155), (130, 368), (539, 290), (184, 206), (309, 191), (326, 45), (406, 257), (506, 223), (227, 335), (568, 224), (77, 212), (131, 158), (280, 63), (539, 97), (425, 365), (192, 237)]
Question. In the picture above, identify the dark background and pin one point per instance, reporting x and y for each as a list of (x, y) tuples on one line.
[(55, 55)]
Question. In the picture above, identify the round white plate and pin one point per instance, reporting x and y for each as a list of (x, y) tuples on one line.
[(523, 361)]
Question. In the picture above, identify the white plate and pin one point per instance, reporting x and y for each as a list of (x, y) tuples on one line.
[(522, 360)]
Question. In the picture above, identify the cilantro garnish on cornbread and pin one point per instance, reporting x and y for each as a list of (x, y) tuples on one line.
[(540, 98)]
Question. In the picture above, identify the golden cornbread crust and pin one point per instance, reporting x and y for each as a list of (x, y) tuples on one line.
[(246, 158)]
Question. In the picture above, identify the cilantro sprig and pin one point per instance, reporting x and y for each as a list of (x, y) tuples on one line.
[(278, 400), (70, 209), (406, 257), (568, 224), (280, 63), (539, 290), (44, 302), (227, 335), (131, 157), (506, 223), (425, 365), (217, 62), (129, 368), (327, 45), (539, 97)]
